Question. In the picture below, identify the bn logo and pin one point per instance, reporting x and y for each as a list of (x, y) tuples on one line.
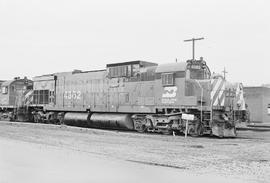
[(169, 92)]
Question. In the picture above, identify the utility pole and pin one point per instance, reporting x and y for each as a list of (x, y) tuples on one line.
[(224, 73), (193, 45)]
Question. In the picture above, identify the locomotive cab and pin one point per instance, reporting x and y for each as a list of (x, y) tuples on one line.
[(197, 69)]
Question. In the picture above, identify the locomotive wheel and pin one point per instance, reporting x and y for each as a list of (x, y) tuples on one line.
[(141, 128), (140, 124)]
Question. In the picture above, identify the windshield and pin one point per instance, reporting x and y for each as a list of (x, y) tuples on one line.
[(199, 74)]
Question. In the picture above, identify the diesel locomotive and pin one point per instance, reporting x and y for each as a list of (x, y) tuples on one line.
[(134, 95), (12, 99)]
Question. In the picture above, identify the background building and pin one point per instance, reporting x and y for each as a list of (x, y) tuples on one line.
[(258, 101)]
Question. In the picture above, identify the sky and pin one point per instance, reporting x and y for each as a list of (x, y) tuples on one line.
[(41, 37)]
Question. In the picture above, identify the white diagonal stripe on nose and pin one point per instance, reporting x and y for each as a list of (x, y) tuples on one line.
[(237, 90), (221, 91), (223, 101), (214, 90)]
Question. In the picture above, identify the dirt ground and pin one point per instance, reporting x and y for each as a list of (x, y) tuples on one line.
[(68, 154)]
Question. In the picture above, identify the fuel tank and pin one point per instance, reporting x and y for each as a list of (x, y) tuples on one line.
[(111, 121), (77, 119)]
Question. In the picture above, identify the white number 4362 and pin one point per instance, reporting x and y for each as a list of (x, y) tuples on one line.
[(72, 95)]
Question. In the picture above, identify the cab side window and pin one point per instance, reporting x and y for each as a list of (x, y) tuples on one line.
[(4, 90), (167, 79)]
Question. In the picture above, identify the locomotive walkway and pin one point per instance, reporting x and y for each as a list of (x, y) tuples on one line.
[(51, 153)]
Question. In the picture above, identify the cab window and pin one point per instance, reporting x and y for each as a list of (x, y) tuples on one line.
[(199, 74), (196, 74), (167, 79), (4, 90)]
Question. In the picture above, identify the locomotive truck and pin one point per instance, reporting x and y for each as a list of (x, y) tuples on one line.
[(137, 95)]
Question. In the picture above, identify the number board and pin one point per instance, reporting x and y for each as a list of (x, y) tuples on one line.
[(188, 116)]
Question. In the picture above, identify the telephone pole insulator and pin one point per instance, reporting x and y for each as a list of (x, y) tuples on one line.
[(193, 45)]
